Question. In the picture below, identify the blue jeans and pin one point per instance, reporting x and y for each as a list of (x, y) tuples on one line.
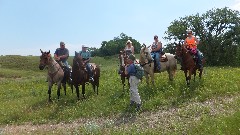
[(156, 57), (200, 56), (89, 70), (66, 64)]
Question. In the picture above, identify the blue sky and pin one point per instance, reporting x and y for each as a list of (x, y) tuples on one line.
[(28, 25)]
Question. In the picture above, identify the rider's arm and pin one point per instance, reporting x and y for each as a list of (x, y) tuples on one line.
[(132, 48), (196, 40), (56, 55), (65, 55)]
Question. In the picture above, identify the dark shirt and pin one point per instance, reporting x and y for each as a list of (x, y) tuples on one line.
[(61, 52), (131, 70)]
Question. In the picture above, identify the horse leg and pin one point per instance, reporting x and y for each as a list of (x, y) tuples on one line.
[(187, 78), (83, 90), (123, 81), (194, 75), (58, 90), (147, 77), (97, 83), (77, 91), (200, 73), (49, 93), (71, 86), (65, 88), (152, 78)]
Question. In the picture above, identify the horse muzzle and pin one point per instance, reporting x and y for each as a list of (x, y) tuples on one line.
[(41, 67)]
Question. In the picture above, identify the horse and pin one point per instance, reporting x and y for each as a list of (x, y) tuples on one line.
[(123, 62), (55, 73), (188, 63), (81, 77), (148, 64), (67, 74)]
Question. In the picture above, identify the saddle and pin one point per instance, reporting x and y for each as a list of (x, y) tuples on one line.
[(163, 57)]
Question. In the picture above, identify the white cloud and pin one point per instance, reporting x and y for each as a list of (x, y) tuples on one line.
[(236, 5)]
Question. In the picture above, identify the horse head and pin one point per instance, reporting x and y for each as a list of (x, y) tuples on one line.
[(145, 54), (77, 60), (44, 59)]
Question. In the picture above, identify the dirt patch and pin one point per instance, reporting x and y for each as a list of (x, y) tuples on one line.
[(165, 119)]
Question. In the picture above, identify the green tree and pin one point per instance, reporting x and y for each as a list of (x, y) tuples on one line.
[(113, 46), (218, 31)]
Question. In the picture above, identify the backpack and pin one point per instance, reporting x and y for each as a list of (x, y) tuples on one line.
[(139, 71)]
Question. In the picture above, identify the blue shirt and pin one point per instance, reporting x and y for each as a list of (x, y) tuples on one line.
[(60, 52), (131, 70), (85, 55)]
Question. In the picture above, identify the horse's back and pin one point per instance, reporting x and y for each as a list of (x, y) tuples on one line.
[(172, 62), (96, 69)]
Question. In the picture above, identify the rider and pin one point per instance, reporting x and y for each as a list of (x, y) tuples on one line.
[(191, 43), (61, 54), (86, 56), (156, 51), (129, 49)]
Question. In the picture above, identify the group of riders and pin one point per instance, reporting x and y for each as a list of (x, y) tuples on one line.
[(61, 55), (191, 43)]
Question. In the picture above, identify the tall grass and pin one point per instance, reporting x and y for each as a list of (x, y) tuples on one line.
[(23, 92)]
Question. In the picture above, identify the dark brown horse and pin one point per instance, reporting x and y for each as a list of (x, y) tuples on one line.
[(189, 65), (55, 73), (123, 62), (81, 77)]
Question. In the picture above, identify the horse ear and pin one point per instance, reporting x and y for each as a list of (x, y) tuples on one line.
[(41, 50), (48, 52)]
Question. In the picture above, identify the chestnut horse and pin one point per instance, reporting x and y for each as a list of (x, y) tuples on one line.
[(55, 73), (123, 62), (188, 63), (81, 77)]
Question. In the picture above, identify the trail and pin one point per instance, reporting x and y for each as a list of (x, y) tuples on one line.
[(164, 119)]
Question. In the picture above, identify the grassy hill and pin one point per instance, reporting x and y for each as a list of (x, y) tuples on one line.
[(208, 106)]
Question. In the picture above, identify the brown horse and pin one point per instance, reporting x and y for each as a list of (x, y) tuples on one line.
[(55, 73), (123, 62), (188, 63), (81, 77)]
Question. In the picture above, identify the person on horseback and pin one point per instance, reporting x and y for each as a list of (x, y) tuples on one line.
[(129, 49), (130, 69), (156, 51), (86, 56), (191, 43), (61, 55)]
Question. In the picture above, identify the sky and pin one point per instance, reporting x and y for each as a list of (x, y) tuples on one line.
[(26, 26)]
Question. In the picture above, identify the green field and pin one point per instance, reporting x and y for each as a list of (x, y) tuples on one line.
[(208, 106)]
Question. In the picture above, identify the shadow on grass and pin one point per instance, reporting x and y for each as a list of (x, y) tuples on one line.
[(128, 116)]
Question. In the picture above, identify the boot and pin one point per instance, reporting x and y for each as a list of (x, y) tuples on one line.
[(138, 107), (131, 103)]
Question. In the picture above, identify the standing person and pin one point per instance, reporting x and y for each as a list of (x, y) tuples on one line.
[(134, 81), (129, 49), (86, 56), (156, 51), (191, 43), (61, 54)]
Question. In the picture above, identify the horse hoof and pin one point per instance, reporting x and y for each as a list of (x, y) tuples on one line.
[(50, 100)]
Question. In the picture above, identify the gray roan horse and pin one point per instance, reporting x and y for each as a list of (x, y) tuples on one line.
[(146, 61), (55, 72), (81, 77)]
